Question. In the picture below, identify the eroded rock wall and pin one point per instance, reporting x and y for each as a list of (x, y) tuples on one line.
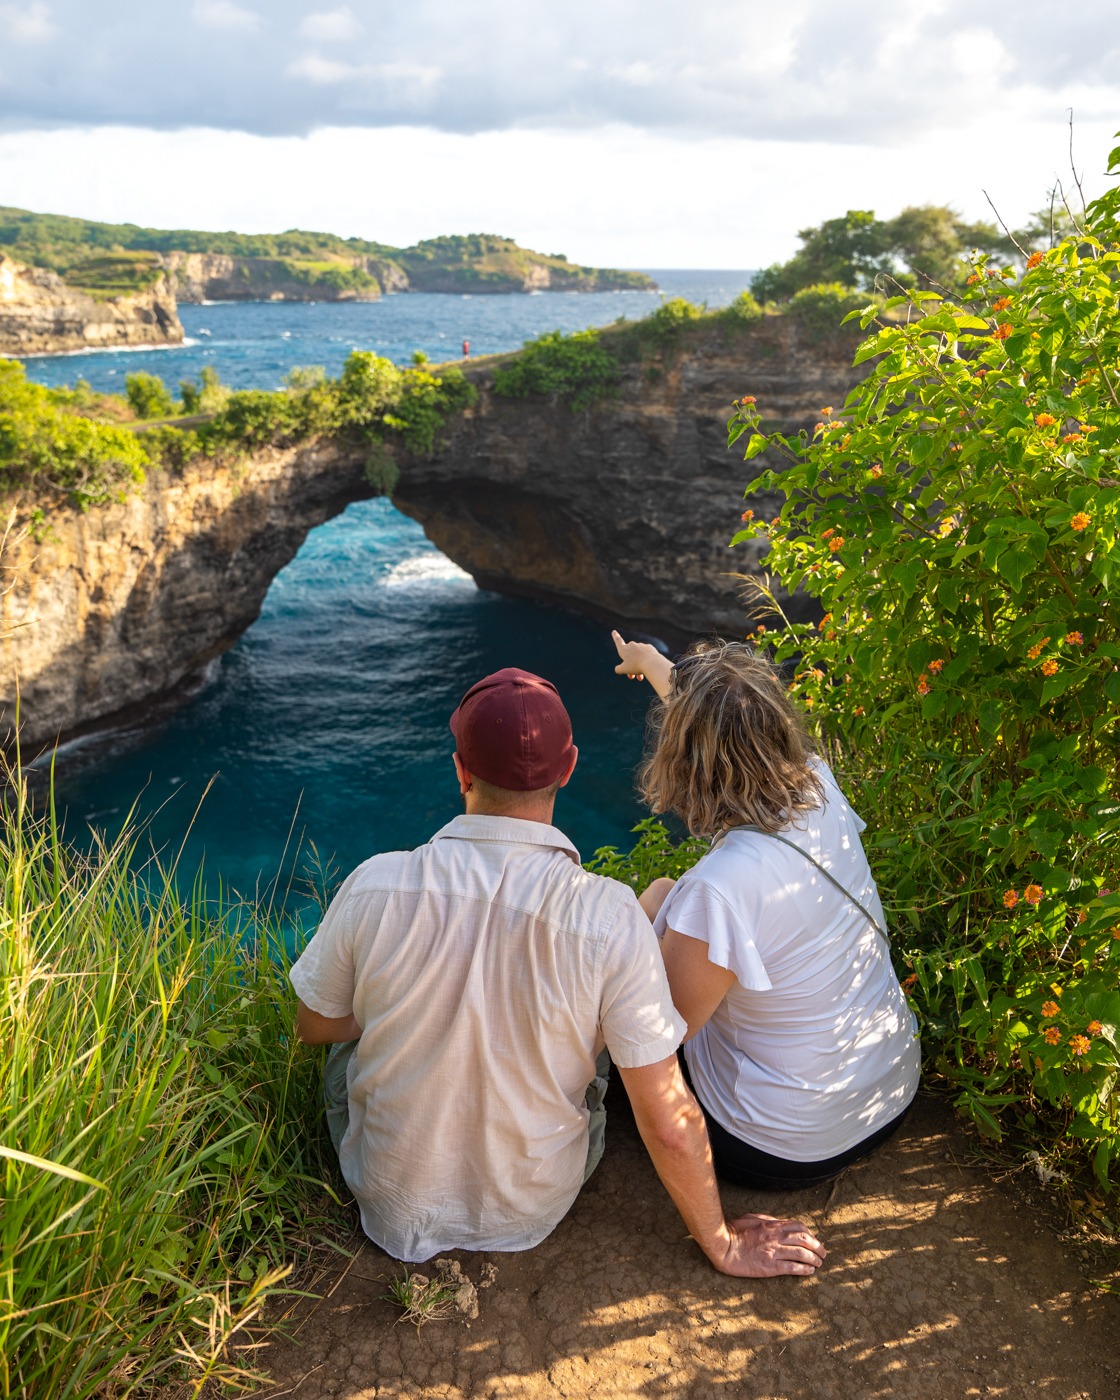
[(116, 607), (625, 511), (40, 314)]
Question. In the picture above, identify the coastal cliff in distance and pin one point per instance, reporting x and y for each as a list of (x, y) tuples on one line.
[(622, 511), (41, 314), (144, 270)]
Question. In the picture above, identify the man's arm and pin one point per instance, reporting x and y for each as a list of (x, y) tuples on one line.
[(672, 1127), (314, 1029)]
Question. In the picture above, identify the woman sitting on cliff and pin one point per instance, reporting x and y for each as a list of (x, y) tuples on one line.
[(801, 1049)]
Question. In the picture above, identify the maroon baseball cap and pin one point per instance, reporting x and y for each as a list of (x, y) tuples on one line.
[(511, 729)]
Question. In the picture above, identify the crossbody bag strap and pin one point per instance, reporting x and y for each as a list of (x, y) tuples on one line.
[(832, 880)]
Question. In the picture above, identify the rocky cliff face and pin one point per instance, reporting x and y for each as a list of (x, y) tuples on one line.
[(119, 606), (40, 314), (199, 277), (624, 511)]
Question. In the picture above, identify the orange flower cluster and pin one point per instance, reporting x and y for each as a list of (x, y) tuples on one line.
[(835, 543), (1002, 331), (1073, 437), (923, 686), (1034, 260), (1051, 1035), (1049, 667), (1050, 1009), (1080, 521), (1036, 651), (876, 469), (1079, 1045), (824, 622), (1074, 639), (1045, 420), (1010, 899), (1033, 895), (909, 983), (936, 666), (1001, 304), (747, 515), (1094, 1028), (825, 412), (971, 281), (747, 400)]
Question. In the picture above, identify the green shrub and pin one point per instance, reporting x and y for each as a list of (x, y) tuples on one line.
[(958, 521), (161, 1162), (822, 308), (653, 855), (46, 444), (671, 315), (424, 403), (147, 395), (743, 311), (577, 367)]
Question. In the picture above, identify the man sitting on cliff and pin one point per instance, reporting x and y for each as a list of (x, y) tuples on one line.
[(467, 988)]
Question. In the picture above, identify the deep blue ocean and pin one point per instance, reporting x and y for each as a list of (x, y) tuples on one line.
[(322, 734)]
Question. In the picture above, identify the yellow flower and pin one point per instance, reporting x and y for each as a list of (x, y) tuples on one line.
[(1049, 667), (1080, 521)]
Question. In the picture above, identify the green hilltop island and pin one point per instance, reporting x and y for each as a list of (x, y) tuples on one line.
[(71, 284)]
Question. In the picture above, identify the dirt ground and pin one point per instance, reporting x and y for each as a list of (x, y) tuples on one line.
[(942, 1282)]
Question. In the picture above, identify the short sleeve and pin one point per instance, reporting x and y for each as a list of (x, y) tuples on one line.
[(639, 1022), (696, 910), (323, 975)]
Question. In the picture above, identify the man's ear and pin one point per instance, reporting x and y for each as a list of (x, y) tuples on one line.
[(571, 767), (466, 782)]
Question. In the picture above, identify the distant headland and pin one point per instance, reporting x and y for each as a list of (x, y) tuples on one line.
[(71, 284)]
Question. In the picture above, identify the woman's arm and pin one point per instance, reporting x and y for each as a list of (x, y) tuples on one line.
[(638, 659), (697, 985)]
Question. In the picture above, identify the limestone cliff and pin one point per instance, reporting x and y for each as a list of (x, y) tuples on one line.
[(199, 277), (118, 606), (622, 511), (41, 314)]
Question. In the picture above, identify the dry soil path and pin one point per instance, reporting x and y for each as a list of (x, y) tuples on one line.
[(941, 1283)]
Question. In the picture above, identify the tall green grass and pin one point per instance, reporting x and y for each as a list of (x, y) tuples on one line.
[(159, 1136)]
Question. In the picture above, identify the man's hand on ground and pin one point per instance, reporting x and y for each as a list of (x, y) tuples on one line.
[(761, 1246)]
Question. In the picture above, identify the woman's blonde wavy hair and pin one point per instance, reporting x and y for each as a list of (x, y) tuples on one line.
[(727, 746)]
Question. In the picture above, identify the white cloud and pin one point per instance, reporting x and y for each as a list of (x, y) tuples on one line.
[(32, 25), (330, 26), (329, 72), (223, 14), (613, 196)]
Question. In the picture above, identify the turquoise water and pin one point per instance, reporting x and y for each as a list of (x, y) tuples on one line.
[(324, 729), (329, 717)]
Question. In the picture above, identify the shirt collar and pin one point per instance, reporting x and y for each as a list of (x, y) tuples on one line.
[(506, 831)]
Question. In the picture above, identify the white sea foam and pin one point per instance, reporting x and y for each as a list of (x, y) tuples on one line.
[(183, 344), (424, 568)]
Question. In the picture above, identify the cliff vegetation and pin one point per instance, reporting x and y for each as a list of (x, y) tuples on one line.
[(75, 446)]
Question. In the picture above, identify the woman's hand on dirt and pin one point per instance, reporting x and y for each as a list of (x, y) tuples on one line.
[(761, 1246), (641, 660)]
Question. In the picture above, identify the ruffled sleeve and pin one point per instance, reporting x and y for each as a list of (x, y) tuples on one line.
[(695, 909)]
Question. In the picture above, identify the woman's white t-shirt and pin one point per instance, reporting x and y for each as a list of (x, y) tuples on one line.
[(814, 1047)]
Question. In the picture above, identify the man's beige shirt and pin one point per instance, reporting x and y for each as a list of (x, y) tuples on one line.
[(486, 969)]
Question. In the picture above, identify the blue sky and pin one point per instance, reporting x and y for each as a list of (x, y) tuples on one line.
[(652, 134)]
